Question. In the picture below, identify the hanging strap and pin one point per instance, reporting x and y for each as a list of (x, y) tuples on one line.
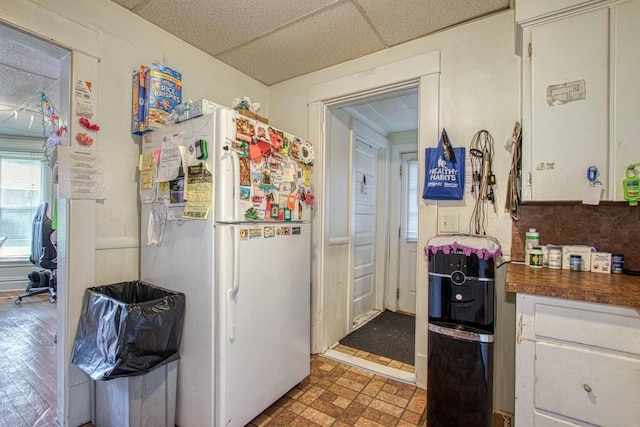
[(512, 203), (447, 148)]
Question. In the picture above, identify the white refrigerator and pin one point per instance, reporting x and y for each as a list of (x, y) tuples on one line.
[(245, 269)]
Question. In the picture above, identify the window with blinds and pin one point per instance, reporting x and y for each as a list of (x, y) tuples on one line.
[(412, 201), (21, 191)]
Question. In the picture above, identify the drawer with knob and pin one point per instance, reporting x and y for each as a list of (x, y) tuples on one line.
[(588, 385)]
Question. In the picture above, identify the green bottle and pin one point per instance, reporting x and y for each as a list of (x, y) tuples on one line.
[(631, 186)]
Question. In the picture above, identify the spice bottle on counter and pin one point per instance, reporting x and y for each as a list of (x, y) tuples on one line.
[(617, 263), (531, 239), (575, 263), (535, 257), (555, 257)]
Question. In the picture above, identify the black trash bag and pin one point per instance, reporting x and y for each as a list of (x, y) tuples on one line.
[(128, 329)]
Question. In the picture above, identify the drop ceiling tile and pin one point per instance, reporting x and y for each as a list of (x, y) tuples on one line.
[(364, 110), (389, 106), (215, 26), (337, 34), (420, 17), (128, 4), (34, 61), (20, 88), (410, 101)]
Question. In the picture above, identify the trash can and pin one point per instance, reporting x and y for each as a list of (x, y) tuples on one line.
[(128, 340), (142, 400)]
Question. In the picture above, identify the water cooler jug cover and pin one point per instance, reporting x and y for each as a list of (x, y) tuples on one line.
[(484, 247)]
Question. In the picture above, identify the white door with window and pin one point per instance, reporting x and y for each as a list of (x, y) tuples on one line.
[(363, 285), (408, 234)]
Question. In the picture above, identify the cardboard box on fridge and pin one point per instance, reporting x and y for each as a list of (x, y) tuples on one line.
[(139, 123), (582, 250), (601, 262), (164, 93), (190, 109), (253, 115)]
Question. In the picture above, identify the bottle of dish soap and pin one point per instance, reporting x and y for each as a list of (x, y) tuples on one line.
[(631, 186)]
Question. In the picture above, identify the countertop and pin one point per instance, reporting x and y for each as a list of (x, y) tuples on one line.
[(616, 289)]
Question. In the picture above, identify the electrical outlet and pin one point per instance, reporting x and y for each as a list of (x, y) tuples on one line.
[(448, 224)]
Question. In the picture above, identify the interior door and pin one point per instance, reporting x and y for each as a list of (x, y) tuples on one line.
[(365, 171), (408, 234)]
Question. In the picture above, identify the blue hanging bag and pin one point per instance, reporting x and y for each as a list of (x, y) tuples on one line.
[(444, 171)]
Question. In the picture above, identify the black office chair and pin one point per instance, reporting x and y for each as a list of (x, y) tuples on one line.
[(44, 255)]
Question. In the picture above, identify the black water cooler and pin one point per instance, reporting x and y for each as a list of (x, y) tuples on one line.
[(461, 327)]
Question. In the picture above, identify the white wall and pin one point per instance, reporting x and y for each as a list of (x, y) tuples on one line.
[(479, 89)]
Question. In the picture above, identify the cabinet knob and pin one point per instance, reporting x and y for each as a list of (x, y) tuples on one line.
[(587, 388)]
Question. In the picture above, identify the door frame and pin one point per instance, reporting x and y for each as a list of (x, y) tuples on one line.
[(395, 221), (425, 71)]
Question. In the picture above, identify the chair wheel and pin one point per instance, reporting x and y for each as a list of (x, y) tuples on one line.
[(52, 299), (18, 300)]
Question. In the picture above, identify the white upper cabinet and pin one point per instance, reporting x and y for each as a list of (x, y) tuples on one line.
[(580, 99), (569, 104), (530, 10)]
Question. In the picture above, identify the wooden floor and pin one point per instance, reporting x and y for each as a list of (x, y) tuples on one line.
[(334, 395), (27, 361)]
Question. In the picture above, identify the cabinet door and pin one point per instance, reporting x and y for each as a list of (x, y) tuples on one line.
[(569, 106), (589, 384), (626, 79)]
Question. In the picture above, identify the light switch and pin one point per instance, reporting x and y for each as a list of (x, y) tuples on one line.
[(448, 223)]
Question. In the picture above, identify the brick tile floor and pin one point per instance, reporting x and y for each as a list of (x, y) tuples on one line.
[(339, 395)]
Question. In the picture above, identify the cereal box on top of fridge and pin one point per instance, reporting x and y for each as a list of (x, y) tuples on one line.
[(164, 93), (139, 86)]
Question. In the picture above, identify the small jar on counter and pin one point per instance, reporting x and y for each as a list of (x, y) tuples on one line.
[(575, 263), (555, 257), (617, 263), (535, 257)]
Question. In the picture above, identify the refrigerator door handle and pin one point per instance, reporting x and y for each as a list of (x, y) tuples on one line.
[(235, 165), (231, 155), (235, 286)]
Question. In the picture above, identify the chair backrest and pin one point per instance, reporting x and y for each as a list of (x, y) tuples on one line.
[(43, 252)]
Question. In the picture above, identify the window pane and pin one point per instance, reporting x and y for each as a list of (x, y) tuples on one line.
[(20, 195), (412, 200)]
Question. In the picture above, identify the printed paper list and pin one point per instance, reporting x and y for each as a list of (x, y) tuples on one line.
[(80, 173)]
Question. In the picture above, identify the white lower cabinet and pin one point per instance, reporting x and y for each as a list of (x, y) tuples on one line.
[(577, 364)]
